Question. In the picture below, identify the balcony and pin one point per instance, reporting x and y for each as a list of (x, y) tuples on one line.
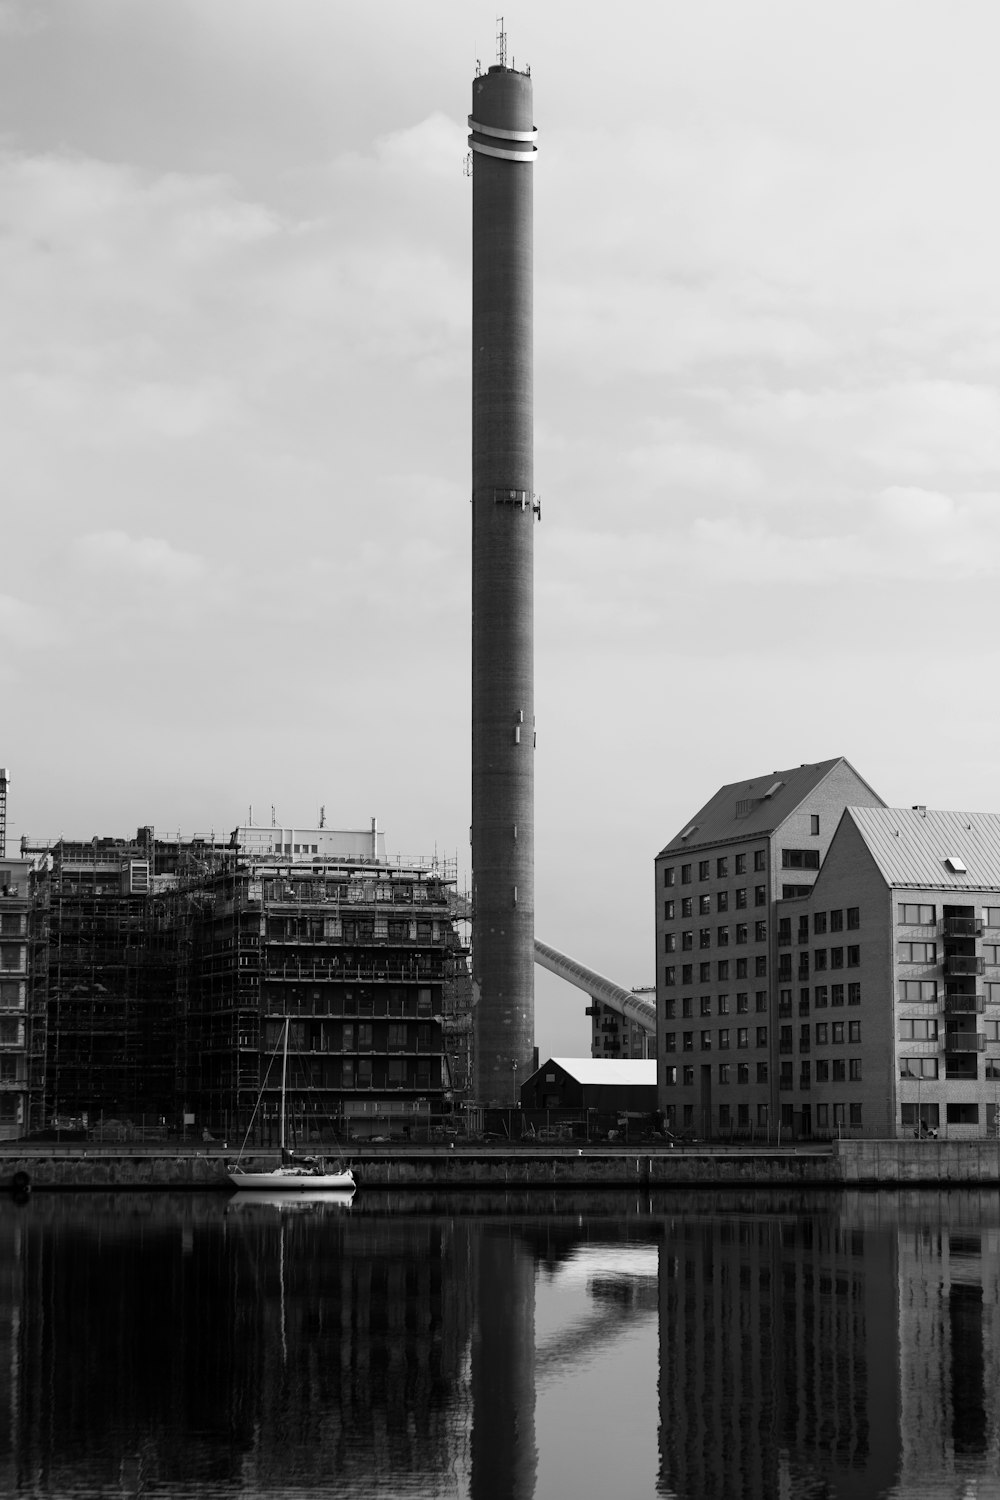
[(959, 927), (964, 1005), (962, 963), (964, 1041)]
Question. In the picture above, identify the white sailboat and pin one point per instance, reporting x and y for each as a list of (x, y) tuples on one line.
[(306, 1175)]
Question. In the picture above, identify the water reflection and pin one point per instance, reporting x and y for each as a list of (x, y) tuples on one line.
[(501, 1347)]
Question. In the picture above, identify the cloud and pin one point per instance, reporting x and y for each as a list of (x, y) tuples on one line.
[(150, 558), (23, 624)]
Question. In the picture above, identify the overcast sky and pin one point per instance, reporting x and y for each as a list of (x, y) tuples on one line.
[(234, 420)]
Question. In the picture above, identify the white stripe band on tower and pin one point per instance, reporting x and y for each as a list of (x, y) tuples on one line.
[(503, 135), (527, 156)]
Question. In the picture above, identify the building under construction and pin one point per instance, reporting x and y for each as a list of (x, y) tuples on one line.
[(164, 973)]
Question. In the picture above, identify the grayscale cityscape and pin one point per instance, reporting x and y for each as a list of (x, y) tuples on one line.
[(643, 1130)]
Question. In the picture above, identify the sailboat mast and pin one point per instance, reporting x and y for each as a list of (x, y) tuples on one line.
[(284, 1075)]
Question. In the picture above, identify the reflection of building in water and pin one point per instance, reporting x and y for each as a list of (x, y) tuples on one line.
[(777, 1356), (504, 1456), (949, 1341)]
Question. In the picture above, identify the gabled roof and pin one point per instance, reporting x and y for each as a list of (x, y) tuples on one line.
[(755, 808), (609, 1070), (912, 846)]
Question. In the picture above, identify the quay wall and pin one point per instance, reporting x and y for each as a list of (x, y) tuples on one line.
[(848, 1164)]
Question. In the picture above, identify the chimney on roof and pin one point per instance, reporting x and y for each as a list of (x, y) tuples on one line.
[(921, 808)]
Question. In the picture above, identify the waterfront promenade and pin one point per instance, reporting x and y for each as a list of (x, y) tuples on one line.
[(863, 1163)]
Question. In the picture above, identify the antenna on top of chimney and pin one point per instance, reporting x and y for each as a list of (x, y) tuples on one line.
[(501, 43)]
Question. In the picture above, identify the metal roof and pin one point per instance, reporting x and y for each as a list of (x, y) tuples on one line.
[(755, 808), (911, 846), (609, 1070)]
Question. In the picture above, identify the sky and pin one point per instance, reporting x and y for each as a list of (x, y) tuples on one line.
[(235, 437)]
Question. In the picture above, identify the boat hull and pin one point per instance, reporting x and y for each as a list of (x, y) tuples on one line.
[(291, 1180)]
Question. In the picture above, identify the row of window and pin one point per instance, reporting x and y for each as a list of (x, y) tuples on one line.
[(822, 996), (721, 1039), (741, 934), (722, 974), (741, 900), (828, 1070), (739, 863), (823, 922), (685, 1075), (722, 1002), (827, 1033), (823, 958), (920, 914), (925, 1029), (836, 1116)]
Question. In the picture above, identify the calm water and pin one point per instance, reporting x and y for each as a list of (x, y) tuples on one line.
[(694, 1345)]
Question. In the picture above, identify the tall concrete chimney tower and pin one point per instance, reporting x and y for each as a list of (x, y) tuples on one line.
[(503, 516)]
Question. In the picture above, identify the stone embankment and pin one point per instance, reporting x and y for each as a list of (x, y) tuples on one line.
[(841, 1164)]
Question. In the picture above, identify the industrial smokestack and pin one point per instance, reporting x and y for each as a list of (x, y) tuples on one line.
[(504, 507)]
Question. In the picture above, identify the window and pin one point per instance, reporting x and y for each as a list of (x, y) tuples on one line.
[(704, 905), (669, 975), (722, 937), (854, 1031), (760, 966), (723, 1072), (688, 1076), (723, 1038), (991, 916), (10, 955), (784, 1002), (704, 866), (742, 1003), (685, 874), (853, 956), (670, 1077), (722, 868), (855, 1110), (918, 1029), (819, 922), (822, 1115), (723, 967), (704, 937), (669, 1009), (761, 1036), (687, 1041), (836, 958), (670, 942), (853, 917), (991, 953), (805, 1075), (804, 1038), (814, 823), (668, 911), (854, 993), (991, 1031), (800, 859), (742, 1036), (913, 990), (723, 1005), (686, 1007), (836, 994), (722, 901), (854, 1069), (669, 875), (917, 953), (804, 1001), (784, 1039), (837, 1032), (706, 1005), (822, 1071), (762, 1072), (742, 1072), (706, 1041), (741, 968), (687, 941), (820, 996), (962, 1114), (705, 973), (740, 866), (741, 932), (822, 1033), (741, 898), (836, 921), (760, 932), (760, 859), (839, 1070), (687, 971), (819, 958), (760, 895), (760, 1005), (687, 908), (670, 1041)]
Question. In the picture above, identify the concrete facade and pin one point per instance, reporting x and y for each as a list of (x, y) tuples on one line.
[(14, 980)]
